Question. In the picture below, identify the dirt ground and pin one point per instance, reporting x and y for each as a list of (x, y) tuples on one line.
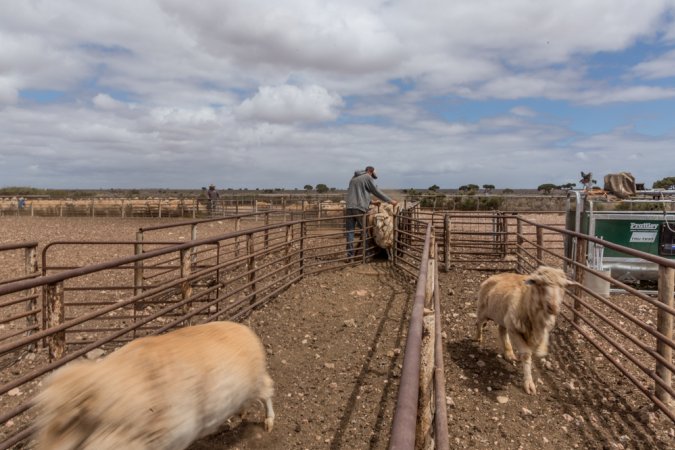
[(335, 343), (582, 401)]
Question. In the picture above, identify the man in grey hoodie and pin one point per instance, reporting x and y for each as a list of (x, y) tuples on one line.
[(361, 186)]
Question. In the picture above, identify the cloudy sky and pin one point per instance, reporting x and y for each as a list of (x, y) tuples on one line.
[(255, 93)]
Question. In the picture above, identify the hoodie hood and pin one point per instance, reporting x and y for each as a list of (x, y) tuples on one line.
[(358, 173)]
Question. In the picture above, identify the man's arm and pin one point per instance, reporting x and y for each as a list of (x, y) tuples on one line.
[(373, 189)]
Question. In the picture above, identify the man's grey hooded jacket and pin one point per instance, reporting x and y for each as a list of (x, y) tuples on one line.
[(361, 186)]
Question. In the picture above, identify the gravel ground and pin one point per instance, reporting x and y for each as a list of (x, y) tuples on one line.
[(582, 400)]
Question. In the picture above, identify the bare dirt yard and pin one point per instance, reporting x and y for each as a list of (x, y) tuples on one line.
[(335, 343), (582, 400)]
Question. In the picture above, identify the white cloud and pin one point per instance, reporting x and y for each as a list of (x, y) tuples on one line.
[(523, 111), (660, 67), (313, 35), (9, 94), (628, 94), (289, 104), (104, 101)]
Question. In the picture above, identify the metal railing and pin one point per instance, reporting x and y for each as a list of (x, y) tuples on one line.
[(20, 311), (632, 329), (171, 206), (420, 417), (105, 304)]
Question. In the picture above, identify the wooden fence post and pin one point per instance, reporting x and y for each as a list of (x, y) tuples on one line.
[(425, 411), (251, 265), (289, 238), (431, 271), (31, 268), (540, 245), (397, 224), (55, 314), (138, 265), (303, 234), (579, 272), (237, 227), (519, 246), (664, 325), (446, 242), (186, 286), (267, 231)]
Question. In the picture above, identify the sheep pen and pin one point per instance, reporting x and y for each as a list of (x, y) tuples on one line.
[(334, 344)]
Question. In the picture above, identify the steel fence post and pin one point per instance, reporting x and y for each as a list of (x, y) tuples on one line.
[(664, 324)]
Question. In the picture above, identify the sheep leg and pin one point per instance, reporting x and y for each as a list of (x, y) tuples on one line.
[(506, 344), (266, 397), (480, 323), (526, 358), (528, 383), (542, 348), (269, 414)]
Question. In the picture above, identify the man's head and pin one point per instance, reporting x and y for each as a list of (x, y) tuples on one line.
[(211, 187), (371, 171)]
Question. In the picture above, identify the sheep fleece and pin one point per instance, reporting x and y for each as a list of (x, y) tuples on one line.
[(159, 392)]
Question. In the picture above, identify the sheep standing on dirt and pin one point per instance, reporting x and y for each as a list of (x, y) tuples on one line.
[(159, 392), (383, 227), (525, 308)]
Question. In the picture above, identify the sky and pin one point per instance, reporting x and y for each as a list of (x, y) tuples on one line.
[(179, 94)]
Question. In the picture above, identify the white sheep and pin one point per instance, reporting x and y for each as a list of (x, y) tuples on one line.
[(383, 227), (159, 392), (525, 308)]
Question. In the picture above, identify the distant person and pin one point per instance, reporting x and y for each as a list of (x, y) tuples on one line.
[(213, 197), (361, 187), (22, 203)]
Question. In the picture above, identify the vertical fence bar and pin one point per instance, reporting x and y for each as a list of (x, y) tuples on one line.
[(397, 224), (237, 227), (138, 265), (186, 286), (364, 236), (55, 314), (31, 268), (429, 291), (193, 250), (664, 324), (446, 242), (250, 245), (267, 232), (540, 245), (289, 239), (519, 246), (579, 272), (303, 234), (505, 240)]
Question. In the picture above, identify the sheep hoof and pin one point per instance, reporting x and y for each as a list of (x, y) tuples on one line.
[(530, 387), (510, 356), (269, 424)]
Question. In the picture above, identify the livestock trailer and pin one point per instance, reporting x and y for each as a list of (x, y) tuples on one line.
[(645, 222)]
